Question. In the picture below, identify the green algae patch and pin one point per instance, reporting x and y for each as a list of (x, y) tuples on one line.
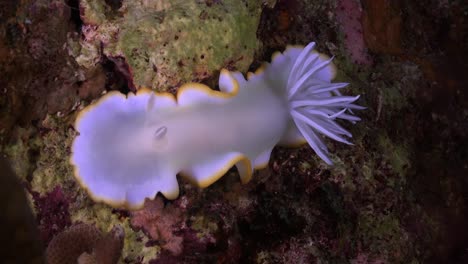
[(167, 43), (41, 157), (203, 226), (52, 167), (94, 11), (20, 151), (393, 98), (383, 235), (396, 154)]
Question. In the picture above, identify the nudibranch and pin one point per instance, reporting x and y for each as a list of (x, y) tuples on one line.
[(131, 147)]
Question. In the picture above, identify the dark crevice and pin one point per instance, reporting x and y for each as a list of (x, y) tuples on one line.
[(118, 74), (114, 4), (75, 13)]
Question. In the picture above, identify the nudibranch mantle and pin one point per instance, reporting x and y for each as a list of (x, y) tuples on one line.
[(131, 147)]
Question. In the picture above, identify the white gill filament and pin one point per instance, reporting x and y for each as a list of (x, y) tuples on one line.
[(294, 70), (319, 128)]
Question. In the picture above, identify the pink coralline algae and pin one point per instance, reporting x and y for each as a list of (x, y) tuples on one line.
[(349, 14), (160, 223)]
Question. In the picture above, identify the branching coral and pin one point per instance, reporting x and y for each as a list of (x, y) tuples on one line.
[(86, 244)]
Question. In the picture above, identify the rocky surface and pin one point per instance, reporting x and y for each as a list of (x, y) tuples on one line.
[(399, 195)]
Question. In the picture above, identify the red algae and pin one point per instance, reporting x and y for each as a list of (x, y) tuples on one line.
[(160, 223), (52, 213)]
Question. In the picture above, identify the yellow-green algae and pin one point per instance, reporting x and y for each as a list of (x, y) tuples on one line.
[(395, 153), (203, 226), (166, 43), (43, 155), (95, 11), (18, 152), (52, 166)]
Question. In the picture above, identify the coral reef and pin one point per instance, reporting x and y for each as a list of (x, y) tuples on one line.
[(397, 196), (162, 44)]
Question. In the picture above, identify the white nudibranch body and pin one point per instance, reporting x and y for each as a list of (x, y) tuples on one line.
[(131, 147)]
